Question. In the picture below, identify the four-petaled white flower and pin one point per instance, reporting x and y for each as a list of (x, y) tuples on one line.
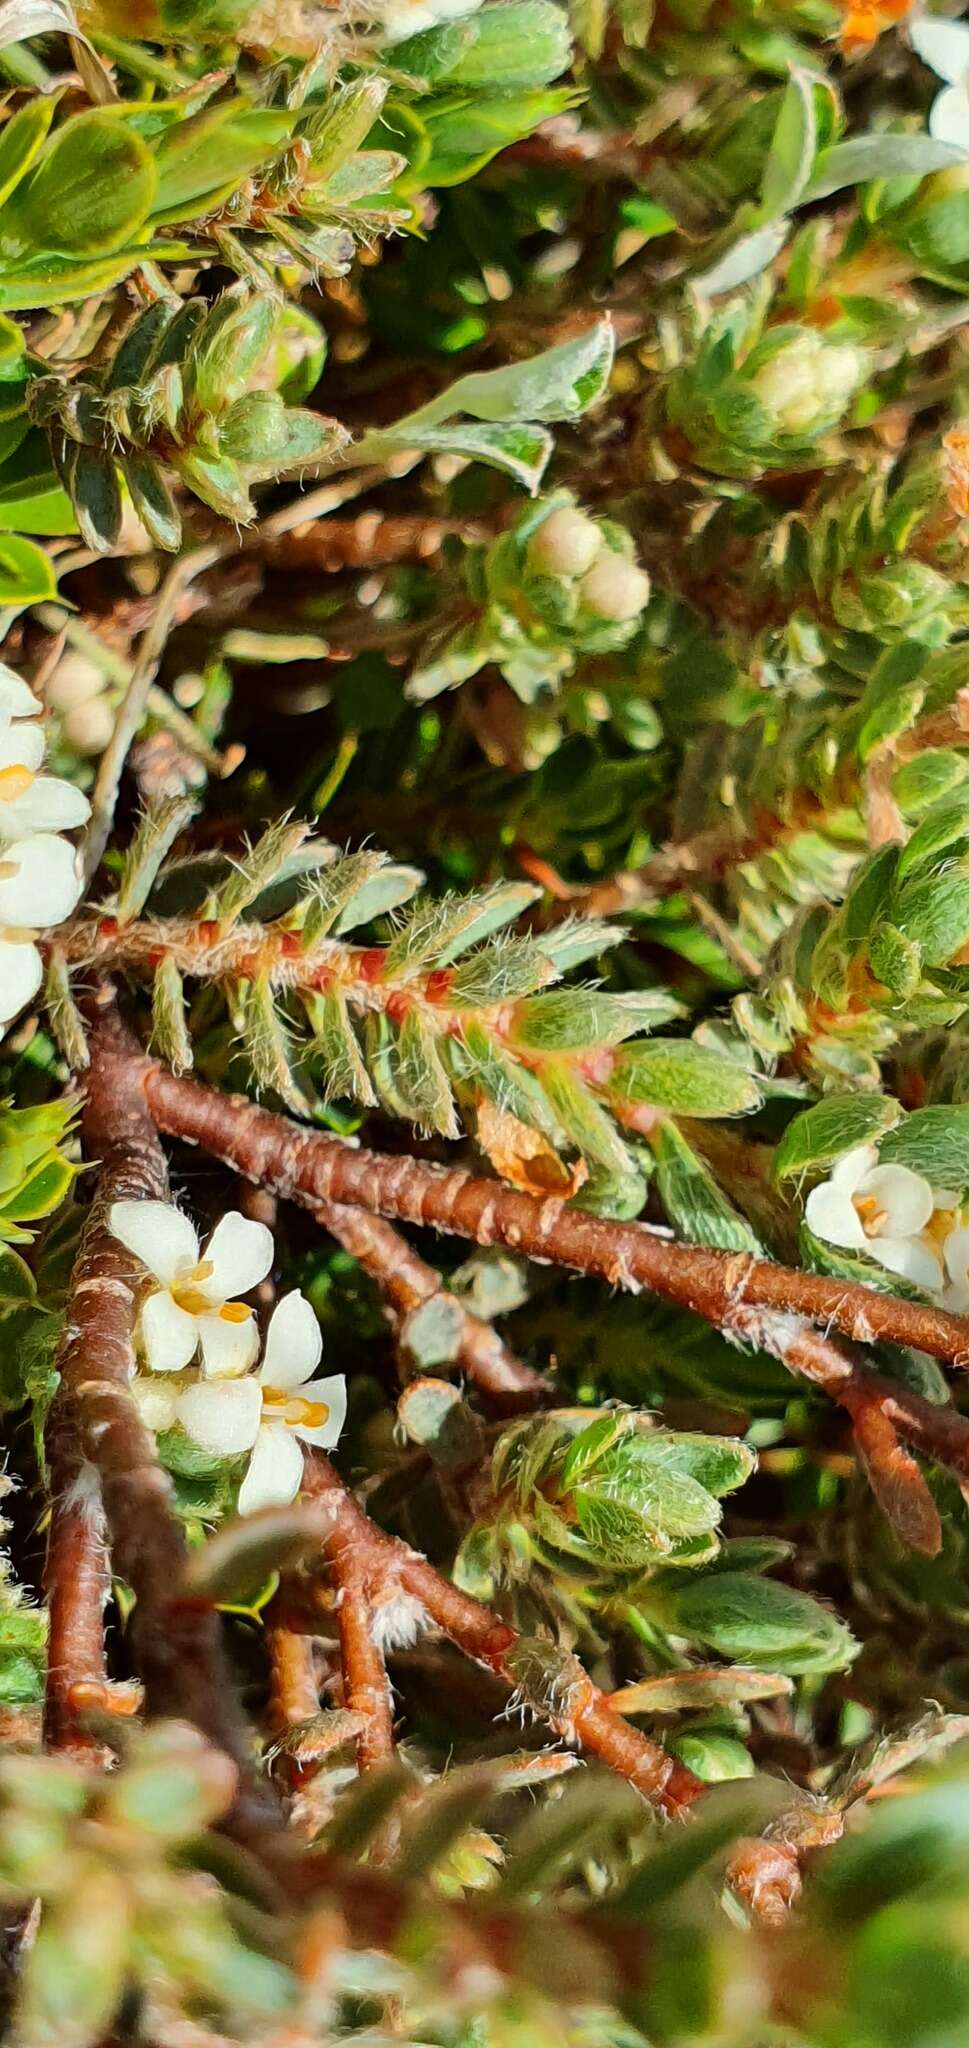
[(882, 1210), (39, 885), (194, 1305), (944, 47), (271, 1413)]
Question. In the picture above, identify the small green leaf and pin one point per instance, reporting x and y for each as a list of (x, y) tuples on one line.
[(791, 154), (831, 1127), (91, 189), (758, 1621), (933, 1142), (26, 575), (683, 1077)]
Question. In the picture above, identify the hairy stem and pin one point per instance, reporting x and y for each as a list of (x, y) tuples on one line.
[(307, 1167), (390, 1565)]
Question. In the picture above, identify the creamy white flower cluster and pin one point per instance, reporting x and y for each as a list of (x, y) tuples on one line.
[(200, 1345), (898, 1219), (39, 880)]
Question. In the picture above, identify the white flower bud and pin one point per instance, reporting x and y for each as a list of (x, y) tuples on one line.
[(807, 382), (75, 681), (566, 544), (614, 588), (88, 727)]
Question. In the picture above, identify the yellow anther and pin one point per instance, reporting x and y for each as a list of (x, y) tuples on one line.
[(292, 1409), (15, 782), (234, 1312)]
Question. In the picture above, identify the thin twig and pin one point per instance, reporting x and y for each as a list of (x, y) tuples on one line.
[(582, 1714), (407, 1281), (131, 710)]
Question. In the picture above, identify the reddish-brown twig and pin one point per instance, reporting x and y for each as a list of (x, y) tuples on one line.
[(584, 1715), (406, 1281), (307, 1167), (77, 1582)]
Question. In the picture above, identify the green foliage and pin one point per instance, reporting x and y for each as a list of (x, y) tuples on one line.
[(612, 629)]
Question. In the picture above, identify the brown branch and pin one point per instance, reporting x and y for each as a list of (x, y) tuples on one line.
[(368, 541), (586, 1717), (308, 1167), (407, 1281), (176, 1644), (366, 1687), (77, 1584)]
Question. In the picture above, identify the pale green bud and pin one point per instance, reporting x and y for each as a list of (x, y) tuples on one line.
[(615, 589), (808, 382), (566, 544)]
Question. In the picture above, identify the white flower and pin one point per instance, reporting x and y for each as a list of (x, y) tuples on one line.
[(881, 1210), (39, 885), (30, 802), (270, 1413), (944, 47), (16, 699), (194, 1304)]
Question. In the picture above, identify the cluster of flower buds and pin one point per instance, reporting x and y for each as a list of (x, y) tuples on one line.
[(557, 585), (200, 391), (749, 404), (39, 881), (200, 1345)]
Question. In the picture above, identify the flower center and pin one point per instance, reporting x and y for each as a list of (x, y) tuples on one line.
[(189, 1294), (15, 782), (293, 1410), (870, 1216)]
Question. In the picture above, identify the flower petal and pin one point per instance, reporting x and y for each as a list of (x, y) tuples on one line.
[(223, 1419), (17, 700), (240, 1253), (294, 1343), (942, 45), (830, 1213), (333, 1392), (41, 885), (850, 1171), (956, 1254), (904, 1196), (169, 1337), (21, 746), (949, 116), (49, 805), (275, 1472), (228, 1348), (21, 974), (157, 1401), (158, 1234), (911, 1258)]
